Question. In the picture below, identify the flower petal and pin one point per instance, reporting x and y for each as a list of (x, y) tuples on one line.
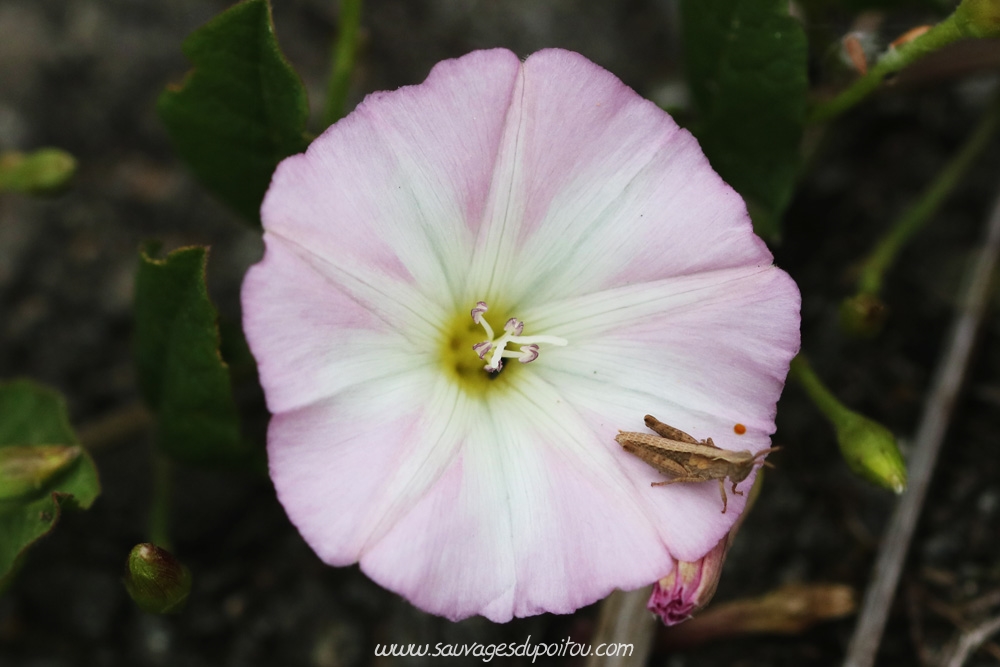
[(315, 331), (701, 353), (348, 468), (403, 179), (604, 190), (546, 513)]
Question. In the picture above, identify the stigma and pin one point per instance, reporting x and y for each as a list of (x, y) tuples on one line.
[(494, 350)]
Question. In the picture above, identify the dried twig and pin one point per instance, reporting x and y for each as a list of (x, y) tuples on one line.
[(970, 640), (788, 610), (940, 402), (959, 617)]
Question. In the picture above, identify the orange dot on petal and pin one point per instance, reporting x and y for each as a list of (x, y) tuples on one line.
[(739, 429)]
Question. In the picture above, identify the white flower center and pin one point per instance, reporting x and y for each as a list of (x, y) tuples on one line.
[(496, 347)]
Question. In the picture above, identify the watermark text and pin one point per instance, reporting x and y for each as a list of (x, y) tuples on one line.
[(567, 648)]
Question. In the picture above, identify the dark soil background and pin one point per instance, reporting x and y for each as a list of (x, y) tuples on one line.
[(84, 75)]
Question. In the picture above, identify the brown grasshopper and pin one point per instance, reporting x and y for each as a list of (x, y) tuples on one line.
[(674, 452)]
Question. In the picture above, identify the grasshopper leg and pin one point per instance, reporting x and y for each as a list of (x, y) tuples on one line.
[(722, 487), (739, 493), (678, 479)]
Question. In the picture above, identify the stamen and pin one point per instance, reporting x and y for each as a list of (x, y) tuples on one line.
[(513, 330), (477, 317), (548, 340), (479, 311)]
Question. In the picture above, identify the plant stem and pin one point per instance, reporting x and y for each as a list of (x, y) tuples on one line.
[(159, 509), (878, 262), (342, 61), (892, 61), (825, 401), (868, 448)]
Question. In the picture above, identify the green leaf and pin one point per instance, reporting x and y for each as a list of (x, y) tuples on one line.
[(241, 110), (32, 416), (746, 65), (181, 374)]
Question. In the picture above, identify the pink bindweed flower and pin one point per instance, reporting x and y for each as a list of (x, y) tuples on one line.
[(470, 285)]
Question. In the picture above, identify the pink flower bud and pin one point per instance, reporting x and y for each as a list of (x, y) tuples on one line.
[(689, 587)]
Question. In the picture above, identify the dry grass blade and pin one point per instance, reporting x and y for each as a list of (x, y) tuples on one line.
[(937, 414)]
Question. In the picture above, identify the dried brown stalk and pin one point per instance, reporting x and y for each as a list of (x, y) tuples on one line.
[(788, 610), (937, 414)]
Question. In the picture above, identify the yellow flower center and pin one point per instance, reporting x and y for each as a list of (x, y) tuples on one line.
[(475, 356)]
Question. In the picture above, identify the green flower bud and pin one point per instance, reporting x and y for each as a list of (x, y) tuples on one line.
[(870, 450), (25, 469), (158, 582), (979, 18), (45, 171), (862, 315), (868, 447)]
